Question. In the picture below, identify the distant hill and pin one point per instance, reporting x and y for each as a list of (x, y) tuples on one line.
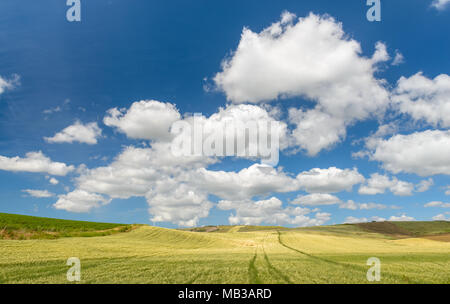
[(408, 229), (15, 226), (391, 229)]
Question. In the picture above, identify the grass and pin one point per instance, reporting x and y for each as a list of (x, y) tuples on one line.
[(15, 226), (230, 254), (407, 229), (425, 228)]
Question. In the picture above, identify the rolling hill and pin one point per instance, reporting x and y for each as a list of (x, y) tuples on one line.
[(15, 226), (225, 254)]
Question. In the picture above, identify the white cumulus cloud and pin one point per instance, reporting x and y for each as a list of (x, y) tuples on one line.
[(437, 204), (270, 211), (39, 193), (355, 220), (77, 132), (80, 201), (401, 218), (329, 180), (35, 162), (256, 180), (145, 119), (311, 58), (378, 184), (316, 199), (440, 217), (171, 201), (361, 206), (423, 153), (424, 99)]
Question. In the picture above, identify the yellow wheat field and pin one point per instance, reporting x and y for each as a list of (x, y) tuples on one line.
[(158, 255)]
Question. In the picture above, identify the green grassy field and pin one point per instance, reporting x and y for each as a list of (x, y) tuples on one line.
[(233, 254), (15, 226)]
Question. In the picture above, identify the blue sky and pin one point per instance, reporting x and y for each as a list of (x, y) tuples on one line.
[(55, 73)]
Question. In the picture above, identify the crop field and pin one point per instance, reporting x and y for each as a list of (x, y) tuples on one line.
[(235, 254)]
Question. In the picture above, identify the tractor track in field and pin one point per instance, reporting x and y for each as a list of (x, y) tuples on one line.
[(275, 272), (354, 267), (253, 271)]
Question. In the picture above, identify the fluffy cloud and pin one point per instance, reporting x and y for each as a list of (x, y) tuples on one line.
[(270, 211), (440, 4), (196, 134), (152, 173), (77, 132), (311, 58), (39, 193), (316, 130), (329, 180), (35, 162), (242, 114), (354, 220), (401, 188), (437, 204), (171, 201), (247, 131), (316, 199), (401, 218), (423, 153), (424, 99), (145, 119), (134, 171), (381, 54), (321, 199), (146, 172), (440, 217), (53, 181), (362, 206), (80, 201), (256, 180), (177, 188), (378, 183)]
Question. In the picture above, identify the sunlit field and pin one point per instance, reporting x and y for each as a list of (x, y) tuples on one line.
[(238, 254)]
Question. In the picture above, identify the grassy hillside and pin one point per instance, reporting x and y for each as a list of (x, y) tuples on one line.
[(237, 254), (14, 226), (407, 229), (375, 229), (425, 228)]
